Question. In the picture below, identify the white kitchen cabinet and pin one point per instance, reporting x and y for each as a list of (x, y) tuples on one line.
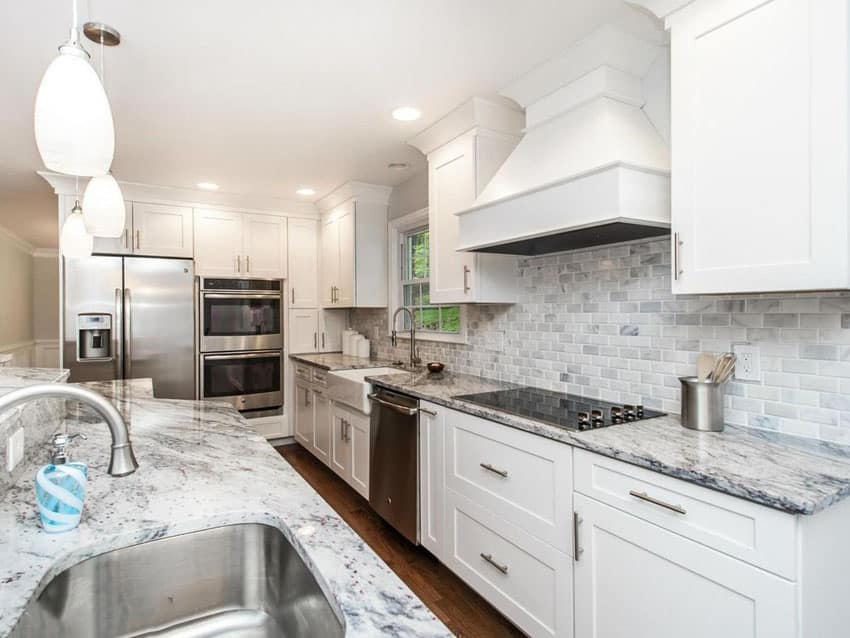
[(340, 442), (303, 263), (634, 579), (234, 244), (321, 425), (162, 231), (354, 255), (350, 434), (122, 245), (303, 330), (265, 246), (303, 414), (431, 478), (331, 325), (465, 149), (760, 145)]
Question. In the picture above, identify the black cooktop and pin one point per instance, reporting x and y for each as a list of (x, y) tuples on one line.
[(568, 411)]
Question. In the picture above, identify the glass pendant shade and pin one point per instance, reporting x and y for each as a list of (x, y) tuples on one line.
[(74, 131), (75, 241), (103, 207)]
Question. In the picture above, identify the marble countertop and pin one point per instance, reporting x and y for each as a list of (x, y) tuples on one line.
[(200, 466), (11, 378), (784, 472), (337, 361)]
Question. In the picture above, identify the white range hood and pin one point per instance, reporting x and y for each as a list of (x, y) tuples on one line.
[(594, 164)]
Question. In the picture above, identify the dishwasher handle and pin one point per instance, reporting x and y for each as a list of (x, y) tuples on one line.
[(403, 409)]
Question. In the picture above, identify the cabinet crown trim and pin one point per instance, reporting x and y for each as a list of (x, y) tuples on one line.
[(358, 191)]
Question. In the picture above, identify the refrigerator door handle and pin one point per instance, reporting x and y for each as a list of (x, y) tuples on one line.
[(118, 336), (128, 335)]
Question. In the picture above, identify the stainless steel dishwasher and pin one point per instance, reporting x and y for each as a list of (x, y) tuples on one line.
[(394, 462)]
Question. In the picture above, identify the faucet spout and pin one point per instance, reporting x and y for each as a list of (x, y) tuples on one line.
[(414, 357), (122, 461)]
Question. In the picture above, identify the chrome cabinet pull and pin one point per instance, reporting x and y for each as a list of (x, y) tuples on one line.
[(347, 430), (677, 270), (490, 468), (117, 339), (342, 429), (428, 412), (323, 341), (138, 238), (489, 559), (646, 497), (315, 340), (465, 279), (577, 551), (247, 263), (306, 397), (238, 263), (124, 238), (292, 290), (128, 334)]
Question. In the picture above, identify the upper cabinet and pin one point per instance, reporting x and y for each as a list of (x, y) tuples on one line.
[(154, 230), (759, 144), (230, 243), (464, 151), (122, 245), (354, 247), (303, 263)]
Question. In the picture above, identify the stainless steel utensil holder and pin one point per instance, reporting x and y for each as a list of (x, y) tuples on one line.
[(702, 404)]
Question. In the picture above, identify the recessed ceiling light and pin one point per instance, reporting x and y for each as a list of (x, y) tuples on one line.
[(407, 113), (306, 191), (207, 186), (398, 166)]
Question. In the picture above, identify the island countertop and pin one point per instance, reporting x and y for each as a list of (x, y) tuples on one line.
[(784, 472), (201, 465)]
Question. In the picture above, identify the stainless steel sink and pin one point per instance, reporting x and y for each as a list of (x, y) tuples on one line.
[(244, 581)]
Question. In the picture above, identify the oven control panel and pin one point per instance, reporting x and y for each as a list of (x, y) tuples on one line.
[(240, 285)]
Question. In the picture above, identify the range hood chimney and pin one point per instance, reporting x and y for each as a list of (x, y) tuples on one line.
[(593, 166)]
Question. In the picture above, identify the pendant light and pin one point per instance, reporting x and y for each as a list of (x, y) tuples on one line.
[(103, 207), (74, 131), (75, 241)]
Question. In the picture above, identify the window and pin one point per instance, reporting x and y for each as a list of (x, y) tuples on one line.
[(415, 288)]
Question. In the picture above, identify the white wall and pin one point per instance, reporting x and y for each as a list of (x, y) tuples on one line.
[(409, 196), (45, 296), (16, 283)]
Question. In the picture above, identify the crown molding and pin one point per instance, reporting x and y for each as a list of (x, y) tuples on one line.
[(661, 8), (52, 253), (17, 241), (358, 191)]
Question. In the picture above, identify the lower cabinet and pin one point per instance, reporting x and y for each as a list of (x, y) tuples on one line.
[(350, 435), (634, 579), (303, 414), (321, 426), (431, 477)]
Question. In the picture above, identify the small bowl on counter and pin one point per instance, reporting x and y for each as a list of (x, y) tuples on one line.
[(435, 367)]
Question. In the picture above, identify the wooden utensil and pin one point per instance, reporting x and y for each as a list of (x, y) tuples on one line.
[(724, 368), (705, 364)]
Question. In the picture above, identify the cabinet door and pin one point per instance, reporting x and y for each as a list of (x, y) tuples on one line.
[(340, 443), (264, 246), (303, 330), (321, 426), (303, 263), (636, 580), (347, 265), (759, 194), (303, 414), (330, 262), (359, 439), (451, 189), (122, 245), (218, 243), (331, 325), (162, 231), (431, 478)]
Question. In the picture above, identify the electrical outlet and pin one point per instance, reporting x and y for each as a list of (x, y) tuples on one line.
[(747, 364), (14, 449)]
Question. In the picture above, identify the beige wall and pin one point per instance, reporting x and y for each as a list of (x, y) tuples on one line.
[(16, 282), (409, 196), (45, 297)]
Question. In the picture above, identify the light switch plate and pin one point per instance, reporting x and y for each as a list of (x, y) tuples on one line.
[(14, 449), (747, 363)]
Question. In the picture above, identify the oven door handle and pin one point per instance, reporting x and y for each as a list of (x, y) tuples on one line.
[(252, 355), (394, 406), (237, 295)]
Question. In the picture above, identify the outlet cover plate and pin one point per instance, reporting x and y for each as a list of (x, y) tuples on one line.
[(748, 364), (14, 449)]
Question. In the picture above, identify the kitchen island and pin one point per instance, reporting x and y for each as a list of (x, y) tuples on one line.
[(201, 465)]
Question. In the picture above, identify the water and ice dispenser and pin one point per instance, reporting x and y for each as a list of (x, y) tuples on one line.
[(94, 342)]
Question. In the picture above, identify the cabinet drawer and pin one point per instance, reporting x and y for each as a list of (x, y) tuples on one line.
[(753, 533), (303, 372), (320, 377), (522, 478), (526, 579)]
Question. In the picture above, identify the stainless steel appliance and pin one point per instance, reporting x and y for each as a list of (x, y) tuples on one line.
[(251, 381), (240, 315), (394, 461), (130, 318)]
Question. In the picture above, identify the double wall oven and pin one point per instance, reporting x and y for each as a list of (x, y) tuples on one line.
[(240, 338)]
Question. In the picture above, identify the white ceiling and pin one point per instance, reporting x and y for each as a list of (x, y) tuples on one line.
[(263, 96)]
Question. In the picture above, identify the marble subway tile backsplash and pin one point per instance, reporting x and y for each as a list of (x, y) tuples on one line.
[(603, 323)]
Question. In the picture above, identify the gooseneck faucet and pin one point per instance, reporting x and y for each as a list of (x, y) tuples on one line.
[(123, 461), (414, 358)]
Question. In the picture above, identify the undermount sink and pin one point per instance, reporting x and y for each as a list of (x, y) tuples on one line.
[(243, 581), (350, 386)]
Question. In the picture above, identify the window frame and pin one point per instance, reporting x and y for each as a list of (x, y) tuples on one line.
[(398, 229)]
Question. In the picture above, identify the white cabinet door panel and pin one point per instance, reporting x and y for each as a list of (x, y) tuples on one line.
[(218, 243), (265, 246), (330, 262), (162, 231), (359, 436), (321, 426), (432, 484), (303, 330), (340, 444), (347, 266), (303, 263), (303, 414), (122, 245)]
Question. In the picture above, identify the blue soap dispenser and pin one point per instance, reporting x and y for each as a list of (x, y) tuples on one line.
[(60, 488)]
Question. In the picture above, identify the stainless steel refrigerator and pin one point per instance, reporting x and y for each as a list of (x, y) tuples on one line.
[(130, 318)]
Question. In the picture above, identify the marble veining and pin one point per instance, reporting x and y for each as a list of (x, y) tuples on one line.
[(785, 472), (200, 466), (337, 361)]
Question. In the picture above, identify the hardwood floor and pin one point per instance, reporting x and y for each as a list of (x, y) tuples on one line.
[(452, 601)]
